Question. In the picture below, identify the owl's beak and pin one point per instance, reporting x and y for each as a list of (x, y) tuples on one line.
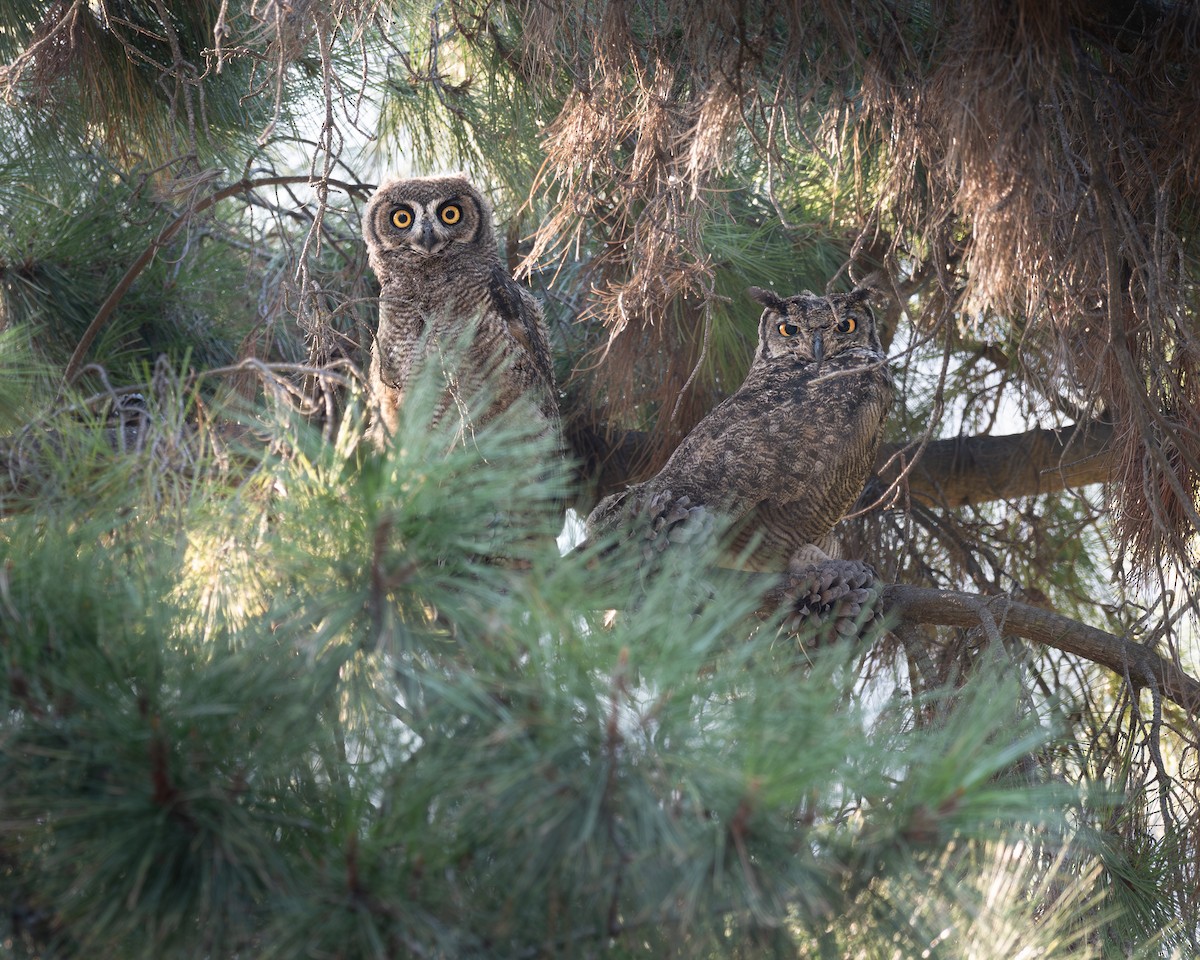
[(818, 346), (427, 239)]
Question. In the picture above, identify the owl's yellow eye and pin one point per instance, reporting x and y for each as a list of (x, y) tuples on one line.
[(402, 217), (451, 213), (847, 325), (788, 329)]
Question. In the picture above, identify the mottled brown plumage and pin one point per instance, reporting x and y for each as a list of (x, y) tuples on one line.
[(431, 243), (784, 457)]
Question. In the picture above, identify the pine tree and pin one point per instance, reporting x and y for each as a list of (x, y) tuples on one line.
[(268, 693), (326, 716)]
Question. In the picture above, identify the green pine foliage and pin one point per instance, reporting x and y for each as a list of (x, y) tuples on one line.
[(363, 708), (269, 693), (129, 78), (63, 252)]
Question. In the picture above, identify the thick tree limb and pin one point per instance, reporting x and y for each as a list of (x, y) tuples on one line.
[(999, 615), (964, 470), (953, 472), (1122, 656)]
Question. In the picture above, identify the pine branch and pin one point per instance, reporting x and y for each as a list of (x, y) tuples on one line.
[(960, 471), (164, 237), (999, 615), (1122, 656)]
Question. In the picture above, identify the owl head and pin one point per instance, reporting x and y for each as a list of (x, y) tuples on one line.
[(811, 328), (419, 218)]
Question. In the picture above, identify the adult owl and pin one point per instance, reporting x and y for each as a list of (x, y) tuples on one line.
[(431, 243), (784, 457)]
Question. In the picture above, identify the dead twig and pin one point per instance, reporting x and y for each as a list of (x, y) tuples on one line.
[(164, 237)]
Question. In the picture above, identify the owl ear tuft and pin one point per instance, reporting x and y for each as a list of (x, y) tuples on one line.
[(772, 301), (862, 294)]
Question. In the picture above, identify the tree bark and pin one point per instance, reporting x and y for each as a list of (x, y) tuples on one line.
[(960, 471), (955, 472), (1141, 665)]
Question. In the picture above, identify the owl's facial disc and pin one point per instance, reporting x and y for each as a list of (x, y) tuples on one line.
[(427, 228), (807, 328)]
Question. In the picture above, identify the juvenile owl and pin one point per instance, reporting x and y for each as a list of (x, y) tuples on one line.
[(431, 243), (783, 458)]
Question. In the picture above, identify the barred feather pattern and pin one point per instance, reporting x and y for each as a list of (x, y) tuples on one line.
[(781, 460), (432, 244)]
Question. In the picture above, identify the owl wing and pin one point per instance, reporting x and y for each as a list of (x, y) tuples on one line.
[(785, 455), (522, 314), (736, 455), (827, 474)]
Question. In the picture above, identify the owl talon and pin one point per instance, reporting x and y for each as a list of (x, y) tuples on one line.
[(676, 520), (838, 596)]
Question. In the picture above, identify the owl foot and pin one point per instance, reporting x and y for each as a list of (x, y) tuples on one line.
[(673, 520), (807, 556), (834, 598)]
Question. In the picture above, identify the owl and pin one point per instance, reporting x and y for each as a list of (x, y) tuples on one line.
[(784, 457), (431, 243)]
